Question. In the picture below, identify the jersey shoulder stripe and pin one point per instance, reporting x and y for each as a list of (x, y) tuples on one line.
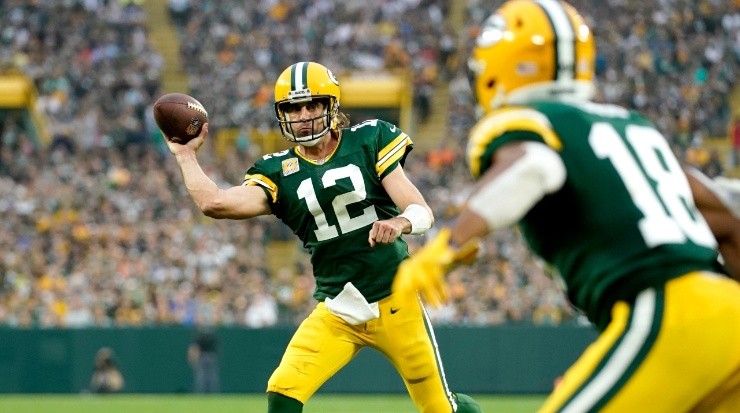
[(502, 121), (392, 152), (263, 181)]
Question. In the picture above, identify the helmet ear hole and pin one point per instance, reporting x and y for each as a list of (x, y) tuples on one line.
[(491, 83)]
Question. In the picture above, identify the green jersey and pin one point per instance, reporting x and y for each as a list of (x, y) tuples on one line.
[(331, 206), (624, 220)]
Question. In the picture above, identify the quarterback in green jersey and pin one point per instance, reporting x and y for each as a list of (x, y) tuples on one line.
[(342, 190), (597, 193)]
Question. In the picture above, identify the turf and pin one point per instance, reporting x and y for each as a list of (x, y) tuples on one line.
[(251, 403)]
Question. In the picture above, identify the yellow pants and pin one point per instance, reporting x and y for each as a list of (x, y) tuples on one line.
[(674, 350), (324, 343)]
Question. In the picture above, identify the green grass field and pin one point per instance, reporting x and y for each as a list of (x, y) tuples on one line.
[(252, 403)]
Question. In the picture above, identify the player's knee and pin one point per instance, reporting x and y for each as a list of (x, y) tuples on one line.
[(283, 379)]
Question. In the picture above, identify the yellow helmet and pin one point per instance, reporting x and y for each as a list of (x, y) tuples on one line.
[(532, 50), (304, 82)]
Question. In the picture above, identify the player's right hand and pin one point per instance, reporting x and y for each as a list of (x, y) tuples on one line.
[(192, 145)]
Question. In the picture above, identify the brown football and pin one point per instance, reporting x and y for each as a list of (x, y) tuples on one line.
[(179, 116)]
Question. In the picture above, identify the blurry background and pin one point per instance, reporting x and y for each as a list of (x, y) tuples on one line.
[(100, 244)]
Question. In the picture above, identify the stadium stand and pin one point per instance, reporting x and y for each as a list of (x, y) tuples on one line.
[(72, 210)]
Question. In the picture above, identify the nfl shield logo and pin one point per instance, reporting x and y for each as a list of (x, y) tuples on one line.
[(193, 127), (290, 166)]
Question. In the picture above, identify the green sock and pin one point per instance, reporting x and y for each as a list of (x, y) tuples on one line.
[(278, 403), (466, 404)]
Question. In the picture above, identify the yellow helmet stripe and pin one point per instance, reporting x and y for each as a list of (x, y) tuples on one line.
[(508, 120), (391, 153), (263, 181), (565, 38)]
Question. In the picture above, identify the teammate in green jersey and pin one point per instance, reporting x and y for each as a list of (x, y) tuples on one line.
[(597, 193), (341, 190)]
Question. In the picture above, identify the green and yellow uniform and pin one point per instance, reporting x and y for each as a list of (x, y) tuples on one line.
[(331, 207), (633, 251)]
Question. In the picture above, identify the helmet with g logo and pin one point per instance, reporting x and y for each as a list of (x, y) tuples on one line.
[(306, 82)]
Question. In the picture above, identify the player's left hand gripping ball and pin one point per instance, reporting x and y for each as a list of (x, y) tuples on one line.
[(424, 271)]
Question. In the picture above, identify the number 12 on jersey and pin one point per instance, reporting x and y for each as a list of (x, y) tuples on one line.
[(339, 204)]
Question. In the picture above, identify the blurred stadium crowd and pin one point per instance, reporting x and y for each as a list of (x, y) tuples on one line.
[(98, 231)]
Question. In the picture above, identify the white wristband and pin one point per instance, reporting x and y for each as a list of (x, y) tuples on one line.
[(419, 217)]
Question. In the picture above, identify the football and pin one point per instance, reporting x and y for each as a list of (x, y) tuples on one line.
[(179, 116)]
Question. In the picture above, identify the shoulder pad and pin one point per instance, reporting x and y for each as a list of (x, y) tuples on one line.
[(266, 169), (500, 122)]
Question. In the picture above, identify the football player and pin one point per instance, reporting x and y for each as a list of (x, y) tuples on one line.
[(597, 193), (343, 192)]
